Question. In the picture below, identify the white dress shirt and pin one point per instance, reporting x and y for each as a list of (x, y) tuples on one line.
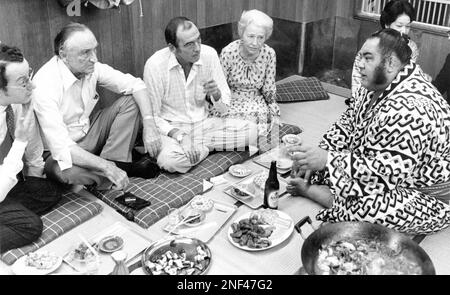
[(64, 103), (179, 100), (30, 150)]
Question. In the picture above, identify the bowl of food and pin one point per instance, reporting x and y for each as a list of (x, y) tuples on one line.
[(176, 256)]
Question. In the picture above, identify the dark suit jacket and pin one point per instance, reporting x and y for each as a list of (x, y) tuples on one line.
[(442, 81)]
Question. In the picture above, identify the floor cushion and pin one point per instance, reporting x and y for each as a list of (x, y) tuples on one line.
[(70, 212)]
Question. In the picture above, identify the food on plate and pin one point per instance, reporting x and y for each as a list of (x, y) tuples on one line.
[(171, 263), (201, 202), (239, 170), (252, 232), (291, 139), (193, 216), (41, 260), (260, 179), (82, 252), (364, 257)]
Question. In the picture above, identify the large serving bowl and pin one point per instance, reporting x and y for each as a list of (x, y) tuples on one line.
[(177, 245)]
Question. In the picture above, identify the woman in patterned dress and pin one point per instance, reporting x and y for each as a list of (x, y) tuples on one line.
[(250, 66), (397, 15)]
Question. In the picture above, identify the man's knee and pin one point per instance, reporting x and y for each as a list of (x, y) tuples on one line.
[(74, 175), (127, 103), (173, 163)]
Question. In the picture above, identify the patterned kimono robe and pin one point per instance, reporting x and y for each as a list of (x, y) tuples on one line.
[(380, 156)]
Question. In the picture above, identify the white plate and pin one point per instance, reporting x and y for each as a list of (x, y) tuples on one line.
[(19, 267), (277, 237), (239, 171)]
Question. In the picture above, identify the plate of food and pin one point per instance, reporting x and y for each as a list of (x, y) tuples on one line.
[(110, 244), (260, 230), (177, 256), (82, 259), (37, 263), (239, 170), (192, 217), (243, 191)]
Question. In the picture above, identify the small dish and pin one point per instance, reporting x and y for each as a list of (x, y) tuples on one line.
[(260, 179), (239, 171), (243, 191), (110, 244), (201, 202)]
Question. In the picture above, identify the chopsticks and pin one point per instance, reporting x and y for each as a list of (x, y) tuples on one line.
[(185, 219)]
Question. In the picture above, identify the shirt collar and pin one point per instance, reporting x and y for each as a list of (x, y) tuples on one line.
[(67, 76), (173, 62), (3, 109)]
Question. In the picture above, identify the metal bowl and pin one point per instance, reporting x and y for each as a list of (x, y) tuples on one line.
[(177, 244)]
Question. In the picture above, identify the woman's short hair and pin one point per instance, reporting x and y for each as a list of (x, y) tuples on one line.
[(393, 9), (258, 18), (65, 33)]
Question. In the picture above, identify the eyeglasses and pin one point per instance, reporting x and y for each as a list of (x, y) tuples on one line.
[(24, 81)]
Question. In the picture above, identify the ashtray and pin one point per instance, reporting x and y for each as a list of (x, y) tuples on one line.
[(110, 244)]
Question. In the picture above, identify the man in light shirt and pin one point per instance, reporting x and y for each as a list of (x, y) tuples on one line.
[(184, 80), (92, 148), (21, 202)]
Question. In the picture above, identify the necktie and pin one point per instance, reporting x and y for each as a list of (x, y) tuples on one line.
[(10, 124)]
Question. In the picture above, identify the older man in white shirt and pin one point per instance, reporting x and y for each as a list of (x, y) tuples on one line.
[(185, 80), (92, 148), (21, 202)]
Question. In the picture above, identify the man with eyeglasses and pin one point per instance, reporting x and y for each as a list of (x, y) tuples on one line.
[(186, 82), (90, 147), (387, 159), (24, 193)]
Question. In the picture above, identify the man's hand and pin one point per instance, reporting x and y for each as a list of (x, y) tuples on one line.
[(151, 137), (116, 175), (297, 172), (309, 158), (25, 123), (190, 150), (210, 88)]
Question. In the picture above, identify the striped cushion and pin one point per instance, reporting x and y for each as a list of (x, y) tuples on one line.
[(70, 212)]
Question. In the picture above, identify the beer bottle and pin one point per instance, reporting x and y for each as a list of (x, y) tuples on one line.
[(271, 188)]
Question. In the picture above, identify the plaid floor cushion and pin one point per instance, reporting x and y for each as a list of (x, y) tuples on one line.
[(167, 191), (302, 89), (70, 212), (218, 163)]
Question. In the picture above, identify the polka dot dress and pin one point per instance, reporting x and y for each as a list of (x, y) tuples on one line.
[(252, 86)]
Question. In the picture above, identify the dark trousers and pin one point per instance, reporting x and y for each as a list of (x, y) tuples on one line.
[(20, 211)]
